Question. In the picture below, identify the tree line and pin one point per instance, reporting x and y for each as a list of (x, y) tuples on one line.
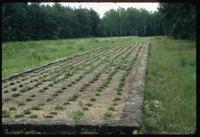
[(34, 21)]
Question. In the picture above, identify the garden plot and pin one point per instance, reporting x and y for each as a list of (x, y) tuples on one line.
[(100, 89)]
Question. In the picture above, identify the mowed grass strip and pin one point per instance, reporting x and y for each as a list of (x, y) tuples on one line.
[(19, 56), (170, 90)]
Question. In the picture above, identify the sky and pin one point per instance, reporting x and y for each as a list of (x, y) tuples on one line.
[(101, 7)]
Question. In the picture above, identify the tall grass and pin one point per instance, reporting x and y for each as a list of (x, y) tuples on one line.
[(170, 90)]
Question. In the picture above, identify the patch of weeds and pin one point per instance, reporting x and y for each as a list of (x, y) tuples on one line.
[(5, 114), (41, 90), (24, 89), (27, 111), (48, 116), (59, 107), (115, 104), (19, 115), (75, 96), (12, 108), (33, 95), (50, 85), (55, 94), (35, 108), (85, 108), (49, 99), (111, 108), (73, 82), (67, 74), (93, 99), (88, 104), (60, 91), (21, 104), (66, 103), (69, 85), (77, 115), (97, 94), (15, 94), (63, 88), (7, 99), (45, 88), (53, 113), (6, 91), (33, 116), (119, 93), (12, 83), (41, 104), (14, 89), (108, 115), (117, 99), (28, 99)]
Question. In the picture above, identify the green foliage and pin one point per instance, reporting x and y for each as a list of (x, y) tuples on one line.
[(108, 115), (77, 115)]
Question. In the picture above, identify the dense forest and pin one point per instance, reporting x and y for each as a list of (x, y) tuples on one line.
[(34, 21)]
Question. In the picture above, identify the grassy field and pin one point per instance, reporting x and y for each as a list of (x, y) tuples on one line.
[(170, 90)]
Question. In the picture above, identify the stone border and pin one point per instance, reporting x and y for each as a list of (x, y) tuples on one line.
[(129, 122)]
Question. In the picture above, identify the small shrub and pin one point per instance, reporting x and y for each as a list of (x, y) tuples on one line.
[(21, 104), (41, 104), (48, 116), (97, 94), (6, 91), (85, 108), (24, 89), (88, 104), (49, 99), (19, 115), (5, 114), (108, 115), (77, 115), (14, 89), (33, 95), (55, 94), (53, 113), (12, 83), (45, 88), (33, 116), (50, 85), (28, 99), (59, 108), (12, 108), (75, 96), (15, 94), (66, 103), (26, 112), (41, 90), (111, 108), (119, 93), (63, 88), (117, 99), (35, 108), (93, 99)]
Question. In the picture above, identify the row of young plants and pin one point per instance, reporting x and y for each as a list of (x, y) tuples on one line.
[(119, 90), (25, 88), (30, 81), (29, 99), (109, 78)]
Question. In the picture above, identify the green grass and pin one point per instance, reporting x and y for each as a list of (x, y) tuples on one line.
[(170, 89), (19, 56)]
